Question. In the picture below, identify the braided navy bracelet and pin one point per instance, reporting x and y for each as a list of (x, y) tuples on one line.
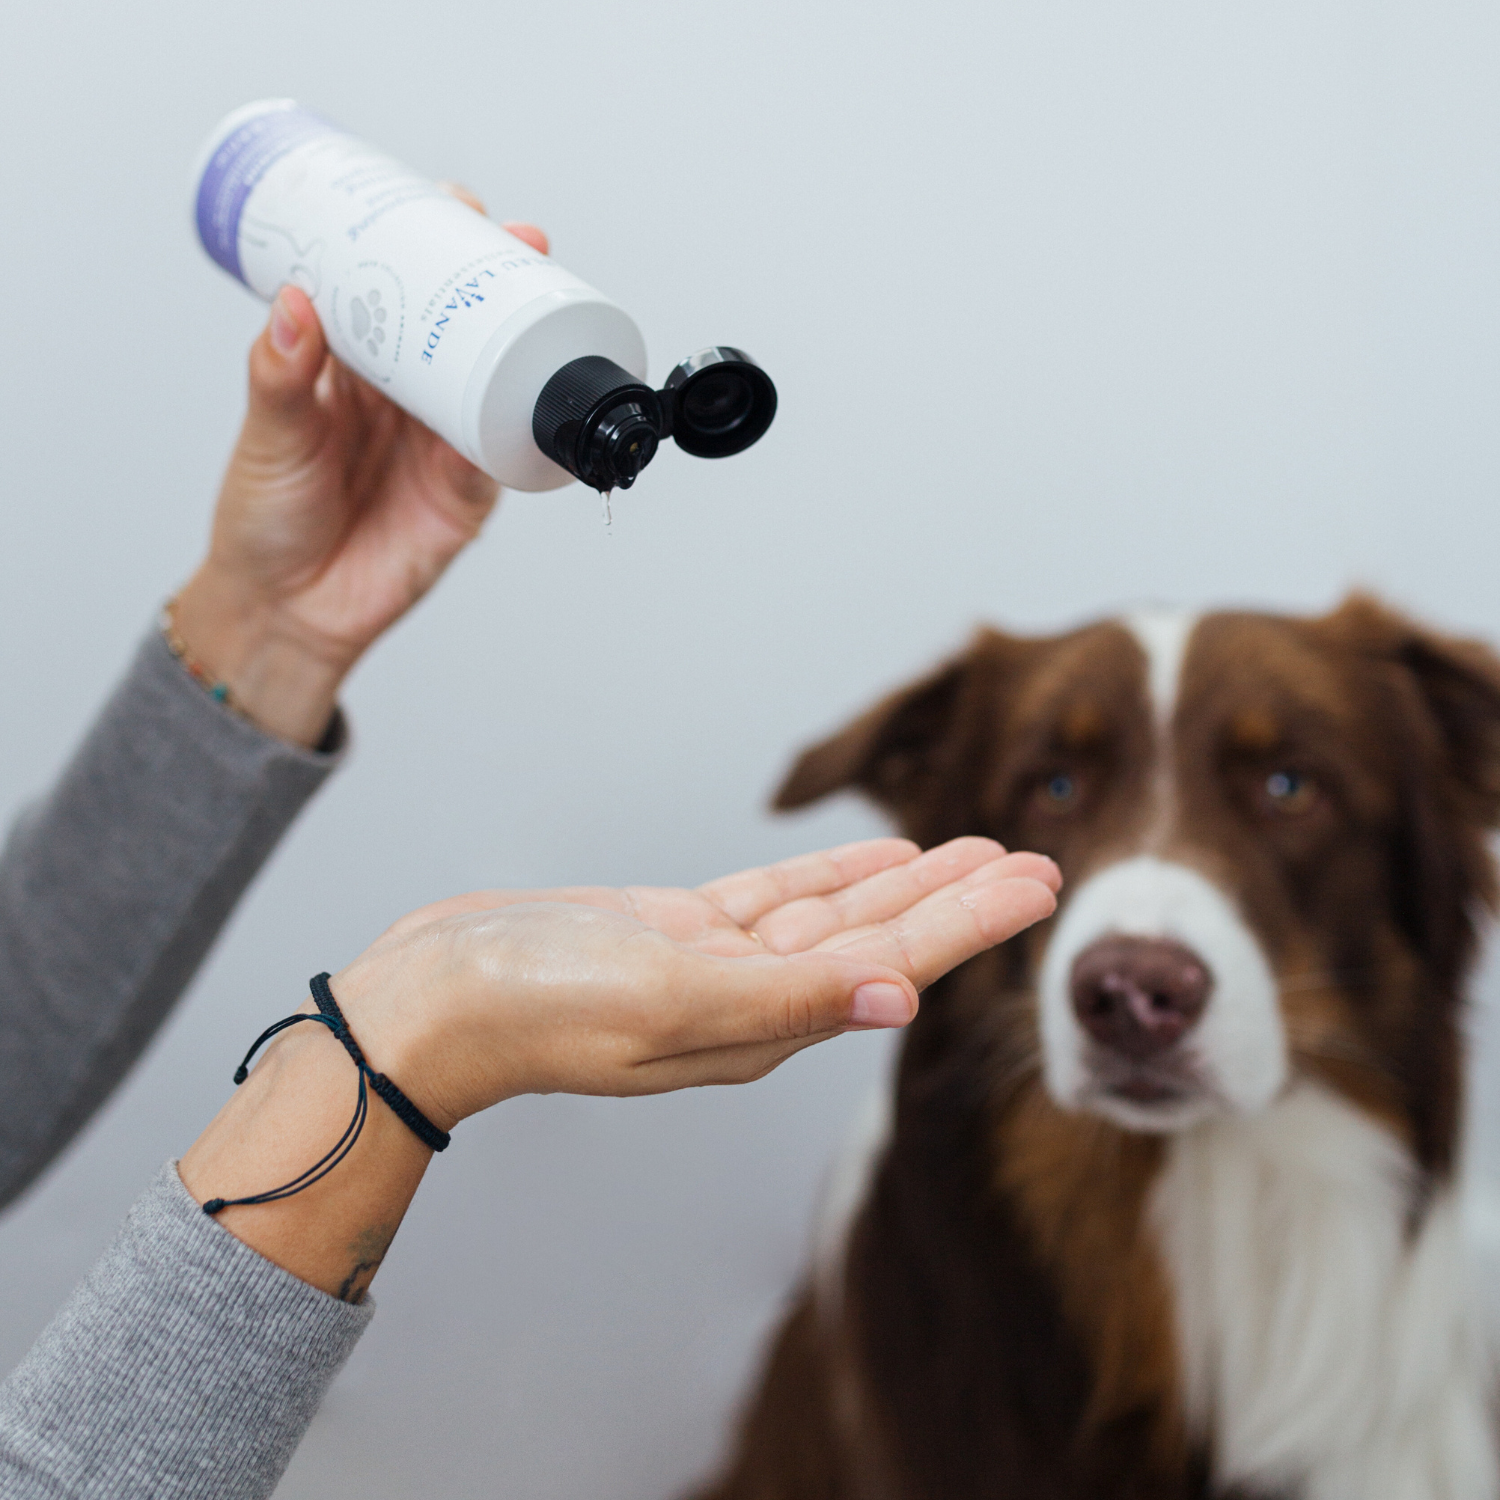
[(329, 1015)]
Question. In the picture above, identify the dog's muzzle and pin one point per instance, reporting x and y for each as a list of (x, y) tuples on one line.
[(1158, 1007)]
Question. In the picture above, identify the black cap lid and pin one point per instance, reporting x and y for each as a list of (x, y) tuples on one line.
[(718, 402)]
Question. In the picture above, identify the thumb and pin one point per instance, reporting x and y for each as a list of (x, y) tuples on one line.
[(284, 365), (855, 996), (775, 998), (738, 1018)]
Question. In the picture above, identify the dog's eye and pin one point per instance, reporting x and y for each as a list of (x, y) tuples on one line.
[(1057, 792), (1290, 791), (1060, 790)]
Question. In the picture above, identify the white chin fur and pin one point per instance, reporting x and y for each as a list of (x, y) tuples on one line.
[(1237, 1051), (1332, 1348)]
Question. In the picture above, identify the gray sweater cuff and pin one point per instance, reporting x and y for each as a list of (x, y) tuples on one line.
[(186, 1365)]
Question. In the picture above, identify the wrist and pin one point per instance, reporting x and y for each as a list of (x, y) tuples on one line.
[(285, 1116), (401, 1033), (274, 672)]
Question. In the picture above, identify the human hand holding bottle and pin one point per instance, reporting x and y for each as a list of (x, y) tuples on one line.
[(596, 991), (337, 513)]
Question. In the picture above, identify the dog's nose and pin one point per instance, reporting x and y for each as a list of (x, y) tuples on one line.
[(1139, 995)]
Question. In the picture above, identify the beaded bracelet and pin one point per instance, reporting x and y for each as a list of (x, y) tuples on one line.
[(213, 685), (328, 1014)]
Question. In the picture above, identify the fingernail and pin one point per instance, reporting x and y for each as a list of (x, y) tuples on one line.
[(285, 329), (880, 1004)]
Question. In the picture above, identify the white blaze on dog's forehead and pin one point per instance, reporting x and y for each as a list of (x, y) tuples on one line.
[(1163, 634), (1239, 1047)]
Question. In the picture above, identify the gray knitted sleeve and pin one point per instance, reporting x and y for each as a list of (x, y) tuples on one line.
[(186, 1367), (113, 887)]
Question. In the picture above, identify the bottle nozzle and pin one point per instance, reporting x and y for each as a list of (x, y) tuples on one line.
[(622, 442), (598, 421)]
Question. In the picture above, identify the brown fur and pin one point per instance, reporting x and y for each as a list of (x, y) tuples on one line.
[(1079, 1186), (1004, 1325)]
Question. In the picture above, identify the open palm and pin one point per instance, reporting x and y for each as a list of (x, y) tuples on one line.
[(881, 900), (641, 989)]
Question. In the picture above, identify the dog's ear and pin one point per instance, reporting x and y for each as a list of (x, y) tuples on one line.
[(906, 751), (1439, 715), (1460, 681), (1444, 698), (1458, 684), (887, 751)]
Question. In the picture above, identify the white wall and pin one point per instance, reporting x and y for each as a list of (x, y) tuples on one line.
[(1070, 304)]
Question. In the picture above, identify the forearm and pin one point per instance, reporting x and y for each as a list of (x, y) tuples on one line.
[(113, 888)]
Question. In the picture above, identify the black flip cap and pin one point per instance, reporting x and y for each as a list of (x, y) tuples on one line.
[(598, 421), (718, 402)]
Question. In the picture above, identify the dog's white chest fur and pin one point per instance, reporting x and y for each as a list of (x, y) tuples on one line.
[(1329, 1351)]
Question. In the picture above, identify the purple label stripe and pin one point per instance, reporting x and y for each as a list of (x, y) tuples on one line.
[(239, 162)]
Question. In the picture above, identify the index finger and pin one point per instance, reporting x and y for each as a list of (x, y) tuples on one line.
[(954, 924), (463, 194), (747, 896), (536, 238), (533, 236), (809, 920)]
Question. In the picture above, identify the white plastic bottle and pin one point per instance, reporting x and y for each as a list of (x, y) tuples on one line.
[(531, 374)]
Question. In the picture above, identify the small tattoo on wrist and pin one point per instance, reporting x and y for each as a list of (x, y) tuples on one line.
[(368, 1249)]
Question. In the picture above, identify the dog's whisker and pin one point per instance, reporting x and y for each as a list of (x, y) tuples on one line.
[(1014, 996), (1023, 1067), (1029, 1065), (1324, 979), (1335, 1049)]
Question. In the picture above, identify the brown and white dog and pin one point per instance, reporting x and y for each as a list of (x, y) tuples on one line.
[(1168, 1204)]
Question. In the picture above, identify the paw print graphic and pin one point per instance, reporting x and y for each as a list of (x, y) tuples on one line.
[(366, 314), (369, 313)]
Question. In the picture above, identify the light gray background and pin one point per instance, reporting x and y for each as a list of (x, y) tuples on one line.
[(1070, 304)]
